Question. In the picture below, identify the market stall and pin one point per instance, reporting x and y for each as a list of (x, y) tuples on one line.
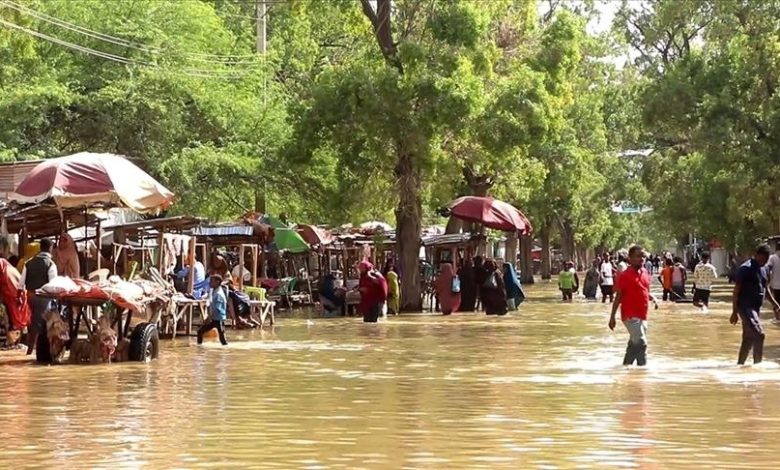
[(132, 309), (63, 193)]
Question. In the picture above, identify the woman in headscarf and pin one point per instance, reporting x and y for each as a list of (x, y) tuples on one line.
[(514, 291), (66, 257), (591, 285), (330, 298), (393, 292), (468, 286), (14, 297), (219, 267), (492, 290), (373, 292), (449, 300)]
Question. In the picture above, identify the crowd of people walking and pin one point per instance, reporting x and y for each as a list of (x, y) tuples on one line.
[(478, 282)]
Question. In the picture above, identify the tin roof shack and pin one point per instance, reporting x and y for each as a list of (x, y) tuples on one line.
[(11, 174)]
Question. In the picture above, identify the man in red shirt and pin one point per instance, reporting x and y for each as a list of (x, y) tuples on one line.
[(632, 294)]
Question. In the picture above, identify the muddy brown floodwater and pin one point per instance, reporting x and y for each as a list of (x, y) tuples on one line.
[(542, 388)]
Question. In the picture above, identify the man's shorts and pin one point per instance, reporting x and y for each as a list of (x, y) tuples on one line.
[(701, 295), (606, 290)]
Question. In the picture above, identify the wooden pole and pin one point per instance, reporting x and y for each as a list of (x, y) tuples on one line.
[(121, 239), (191, 263), (161, 249), (254, 266), (64, 229), (23, 241), (99, 243), (143, 254), (241, 266)]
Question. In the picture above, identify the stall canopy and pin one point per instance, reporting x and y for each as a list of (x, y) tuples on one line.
[(491, 213), (86, 179), (314, 235), (285, 238)]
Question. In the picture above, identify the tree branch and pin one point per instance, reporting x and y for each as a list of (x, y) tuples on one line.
[(381, 21)]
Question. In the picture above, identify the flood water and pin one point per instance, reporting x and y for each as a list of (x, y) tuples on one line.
[(543, 388)]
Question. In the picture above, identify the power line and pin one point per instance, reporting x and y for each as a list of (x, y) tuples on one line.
[(224, 59), (112, 57)]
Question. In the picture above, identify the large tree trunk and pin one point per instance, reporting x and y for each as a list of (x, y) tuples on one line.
[(583, 258), (567, 242), (480, 186), (511, 248), (526, 260), (454, 225), (544, 235), (409, 227)]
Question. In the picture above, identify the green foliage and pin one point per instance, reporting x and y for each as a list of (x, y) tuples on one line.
[(459, 24), (468, 97), (711, 108)]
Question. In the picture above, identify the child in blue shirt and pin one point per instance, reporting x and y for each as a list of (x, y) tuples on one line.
[(217, 311)]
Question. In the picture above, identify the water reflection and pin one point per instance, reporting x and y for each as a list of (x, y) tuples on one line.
[(543, 388)]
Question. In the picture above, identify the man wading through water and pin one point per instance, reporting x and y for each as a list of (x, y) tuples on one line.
[(749, 291), (632, 295)]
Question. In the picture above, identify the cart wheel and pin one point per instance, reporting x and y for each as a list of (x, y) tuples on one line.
[(144, 343), (42, 352)]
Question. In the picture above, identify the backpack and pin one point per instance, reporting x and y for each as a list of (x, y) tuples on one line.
[(240, 303), (455, 285)]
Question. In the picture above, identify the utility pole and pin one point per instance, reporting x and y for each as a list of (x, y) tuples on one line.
[(260, 10), (260, 23)]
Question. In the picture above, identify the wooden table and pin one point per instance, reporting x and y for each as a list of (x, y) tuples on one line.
[(351, 301), (264, 309), (185, 308)]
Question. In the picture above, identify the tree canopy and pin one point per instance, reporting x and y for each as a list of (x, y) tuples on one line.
[(389, 109)]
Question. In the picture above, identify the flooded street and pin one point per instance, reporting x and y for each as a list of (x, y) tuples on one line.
[(543, 388)]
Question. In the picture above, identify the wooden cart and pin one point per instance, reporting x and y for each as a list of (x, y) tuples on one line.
[(144, 337)]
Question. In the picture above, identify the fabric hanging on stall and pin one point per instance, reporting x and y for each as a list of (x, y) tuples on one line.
[(176, 244), (168, 253), (66, 257), (185, 247), (14, 296)]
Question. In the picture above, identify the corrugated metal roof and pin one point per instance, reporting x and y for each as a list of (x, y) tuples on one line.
[(446, 239), (224, 231), (180, 221), (11, 174)]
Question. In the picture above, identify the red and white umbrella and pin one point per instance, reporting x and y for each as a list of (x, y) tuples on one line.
[(491, 213), (93, 178)]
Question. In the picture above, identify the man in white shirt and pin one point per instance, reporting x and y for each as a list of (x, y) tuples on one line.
[(607, 272), (773, 266), (703, 276), (241, 272)]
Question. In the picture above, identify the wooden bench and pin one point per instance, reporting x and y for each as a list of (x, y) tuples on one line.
[(262, 309), (185, 308)]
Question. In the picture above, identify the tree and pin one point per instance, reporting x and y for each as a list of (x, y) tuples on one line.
[(384, 111), (711, 109)]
